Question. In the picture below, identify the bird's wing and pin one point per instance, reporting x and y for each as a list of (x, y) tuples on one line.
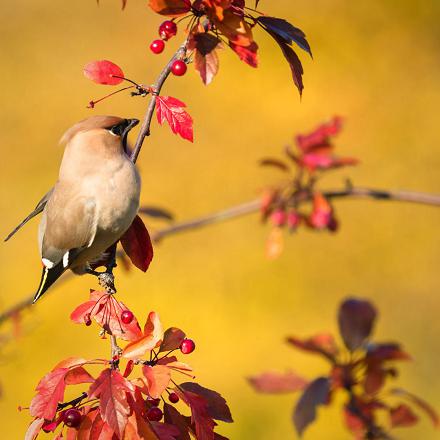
[(39, 208), (70, 223), (69, 226)]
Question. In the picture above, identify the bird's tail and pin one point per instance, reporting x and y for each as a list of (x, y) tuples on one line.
[(48, 277)]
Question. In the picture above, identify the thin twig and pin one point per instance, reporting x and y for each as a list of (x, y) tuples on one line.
[(145, 127)]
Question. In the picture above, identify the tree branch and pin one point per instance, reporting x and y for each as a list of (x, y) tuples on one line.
[(252, 207), (145, 127)]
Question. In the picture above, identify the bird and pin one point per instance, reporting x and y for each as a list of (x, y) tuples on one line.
[(92, 204)]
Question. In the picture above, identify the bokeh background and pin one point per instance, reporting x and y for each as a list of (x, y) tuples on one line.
[(375, 62)]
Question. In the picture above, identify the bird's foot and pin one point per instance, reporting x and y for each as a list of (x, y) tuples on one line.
[(107, 280)]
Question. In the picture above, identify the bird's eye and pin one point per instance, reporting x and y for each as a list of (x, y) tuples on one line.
[(118, 129)]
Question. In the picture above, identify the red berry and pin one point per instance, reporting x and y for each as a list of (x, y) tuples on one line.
[(87, 319), (127, 316), (178, 68), (154, 414), (157, 46), (72, 418), (293, 220), (167, 29), (154, 402), (278, 217), (173, 397), (187, 346)]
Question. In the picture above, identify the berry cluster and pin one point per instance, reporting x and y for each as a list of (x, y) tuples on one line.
[(167, 30)]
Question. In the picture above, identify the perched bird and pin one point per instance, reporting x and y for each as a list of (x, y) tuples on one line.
[(94, 201)]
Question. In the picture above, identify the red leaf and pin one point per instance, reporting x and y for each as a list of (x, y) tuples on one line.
[(104, 72), (424, 406), (317, 393), (172, 8), (111, 388), (320, 136), (403, 415), (78, 375), (207, 66), (204, 424), (165, 431), (137, 244), (172, 110), (206, 58), (93, 427), (173, 417), (50, 392), (356, 319), (217, 406), (152, 338), (106, 310), (172, 339), (278, 382), (386, 352), (323, 343), (158, 378), (34, 429), (248, 54)]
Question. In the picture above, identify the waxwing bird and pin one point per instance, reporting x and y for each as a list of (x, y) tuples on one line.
[(94, 201)]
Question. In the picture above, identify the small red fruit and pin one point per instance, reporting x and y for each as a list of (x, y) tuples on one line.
[(154, 402), (278, 217), (154, 414), (173, 397), (179, 68), (127, 316), (157, 46), (293, 220), (187, 346), (72, 418), (87, 319), (167, 29)]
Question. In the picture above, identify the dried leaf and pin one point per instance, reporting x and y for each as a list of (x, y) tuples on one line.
[(155, 212)]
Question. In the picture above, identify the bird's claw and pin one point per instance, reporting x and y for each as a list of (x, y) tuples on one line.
[(107, 280)]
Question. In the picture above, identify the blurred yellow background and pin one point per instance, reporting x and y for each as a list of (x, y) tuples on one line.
[(375, 62)]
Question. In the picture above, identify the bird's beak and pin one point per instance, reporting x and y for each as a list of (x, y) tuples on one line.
[(131, 123)]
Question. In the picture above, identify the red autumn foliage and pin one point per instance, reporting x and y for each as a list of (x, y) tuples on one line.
[(172, 110), (104, 72), (119, 406), (136, 243), (299, 201), (361, 371)]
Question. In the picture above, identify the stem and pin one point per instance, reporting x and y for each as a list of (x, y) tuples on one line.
[(145, 128), (252, 207), (115, 349)]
